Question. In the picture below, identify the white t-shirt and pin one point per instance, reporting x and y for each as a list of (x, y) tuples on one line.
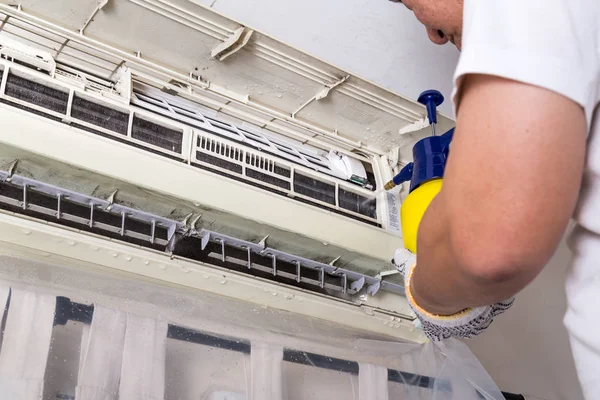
[(554, 44)]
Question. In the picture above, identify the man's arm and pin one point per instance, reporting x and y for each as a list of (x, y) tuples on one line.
[(510, 187)]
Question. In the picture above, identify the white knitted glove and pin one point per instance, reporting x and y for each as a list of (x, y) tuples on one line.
[(467, 323)]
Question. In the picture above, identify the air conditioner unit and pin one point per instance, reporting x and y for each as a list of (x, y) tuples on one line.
[(236, 164), (190, 209)]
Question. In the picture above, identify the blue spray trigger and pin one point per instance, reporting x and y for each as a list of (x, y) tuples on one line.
[(430, 155), (431, 99)]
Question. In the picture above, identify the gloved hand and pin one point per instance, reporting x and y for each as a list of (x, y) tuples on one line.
[(467, 323)]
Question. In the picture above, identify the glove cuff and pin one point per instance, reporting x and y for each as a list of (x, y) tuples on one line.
[(459, 319)]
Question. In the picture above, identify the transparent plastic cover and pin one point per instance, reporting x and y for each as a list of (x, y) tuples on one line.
[(74, 334)]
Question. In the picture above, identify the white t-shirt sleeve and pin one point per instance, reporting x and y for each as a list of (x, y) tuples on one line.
[(548, 43)]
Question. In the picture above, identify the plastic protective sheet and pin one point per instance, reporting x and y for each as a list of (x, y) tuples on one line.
[(438, 371), (203, 347)]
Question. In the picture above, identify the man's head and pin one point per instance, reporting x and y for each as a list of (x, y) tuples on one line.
[(442, 18)]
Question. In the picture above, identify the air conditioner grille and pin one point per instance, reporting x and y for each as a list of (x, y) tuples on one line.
[(36, 93), (356, 203), (260, 162), (223, 149), (77, 215), (99, 115), (283, 171), (267, 179), (314, 188), (219, 162), (157, 135), (31, 110)]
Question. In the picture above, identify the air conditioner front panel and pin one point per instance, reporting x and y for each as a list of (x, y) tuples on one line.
[(64, 156)]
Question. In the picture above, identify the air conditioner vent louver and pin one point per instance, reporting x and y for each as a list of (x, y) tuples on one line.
[(314, 188), (99, 115), (73, 214), (157, 135), (53, 204), (36, 93)]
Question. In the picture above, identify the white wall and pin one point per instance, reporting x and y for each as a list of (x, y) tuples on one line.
[(527, 349), (375, 39)]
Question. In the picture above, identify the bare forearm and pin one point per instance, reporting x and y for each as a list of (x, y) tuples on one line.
[(442, 284)]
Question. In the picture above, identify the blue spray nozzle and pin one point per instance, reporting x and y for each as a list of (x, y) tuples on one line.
[(431, 99), (430, 153)]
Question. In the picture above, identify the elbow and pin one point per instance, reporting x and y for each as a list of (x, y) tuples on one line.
[(511, 262)]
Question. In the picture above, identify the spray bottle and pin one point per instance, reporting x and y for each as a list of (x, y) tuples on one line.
[(425, 173)]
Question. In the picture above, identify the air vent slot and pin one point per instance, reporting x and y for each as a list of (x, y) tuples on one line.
[(314, 188), (271, 180), (63, 211), (219, 162), (35, 93), (222, 149), (283, 171), (157, 135), (356, 203), (99, 115), (260, 162)]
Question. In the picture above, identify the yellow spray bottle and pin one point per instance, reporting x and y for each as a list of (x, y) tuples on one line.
[(425, 173)]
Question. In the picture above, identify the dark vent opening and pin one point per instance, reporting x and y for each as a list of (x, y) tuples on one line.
[(36, 93), (371, 180), (190, 247), (314, 188), (117, 139), (67, 207), (357, 203), (27, 65), (283, 171), (223, 149), (239, 179), (219, 162), (251, 173), (157, 135), (99, 115)]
